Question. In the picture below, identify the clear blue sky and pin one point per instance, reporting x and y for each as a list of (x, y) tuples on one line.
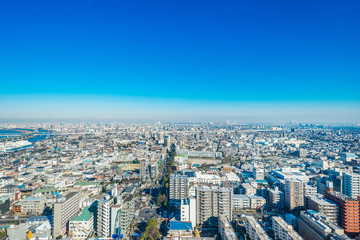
[(191, 55)]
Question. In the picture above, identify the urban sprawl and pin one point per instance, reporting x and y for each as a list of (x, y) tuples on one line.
[(179, 181)]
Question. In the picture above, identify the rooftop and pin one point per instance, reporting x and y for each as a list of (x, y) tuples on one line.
[(84, 216), (178, 225)]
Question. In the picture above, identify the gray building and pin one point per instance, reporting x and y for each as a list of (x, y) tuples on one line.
[(324, 206), (213, 202), (178, 187), (315, 226)]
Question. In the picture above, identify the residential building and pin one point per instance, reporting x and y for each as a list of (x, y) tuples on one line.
[(246, 188), (178, 187), (103, 216), (284, 231), (276, 198), (315, 226), (349, 211), (33, 205), (121, 215), (213, 202), (254, 230), (323, 206), (294, 194), (351, 184), (225, 229), (240, 201), (81, 226), (65, 208)]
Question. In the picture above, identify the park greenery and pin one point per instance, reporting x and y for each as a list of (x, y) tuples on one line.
[(151, 231), (162, 198)]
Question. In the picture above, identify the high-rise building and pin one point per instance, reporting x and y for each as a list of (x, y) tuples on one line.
[(213, 202), (178, 187), (315, 226), (122, 214), (323, 206), (65, 207), (351, 184), (167, 141), (148, 169), (294, 194), (103, 216), (284, 231), (349, 211), (254, 230)]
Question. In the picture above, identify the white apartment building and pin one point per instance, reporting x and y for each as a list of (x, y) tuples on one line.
[(240, 201), (178, 187), (188, 211), (103, 216), (323, 206)]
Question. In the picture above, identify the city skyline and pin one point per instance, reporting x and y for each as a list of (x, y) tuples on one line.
[(115, 108)]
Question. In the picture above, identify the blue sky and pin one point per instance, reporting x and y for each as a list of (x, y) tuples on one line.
[(176, 60)]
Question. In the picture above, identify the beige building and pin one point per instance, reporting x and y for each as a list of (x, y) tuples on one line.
[(294, 194), (65, 208), (33, 205)]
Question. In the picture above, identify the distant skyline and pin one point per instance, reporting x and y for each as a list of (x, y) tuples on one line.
[(248, 61)]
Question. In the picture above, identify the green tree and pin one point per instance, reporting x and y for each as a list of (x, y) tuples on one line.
[(161, 199), (151, 231)]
